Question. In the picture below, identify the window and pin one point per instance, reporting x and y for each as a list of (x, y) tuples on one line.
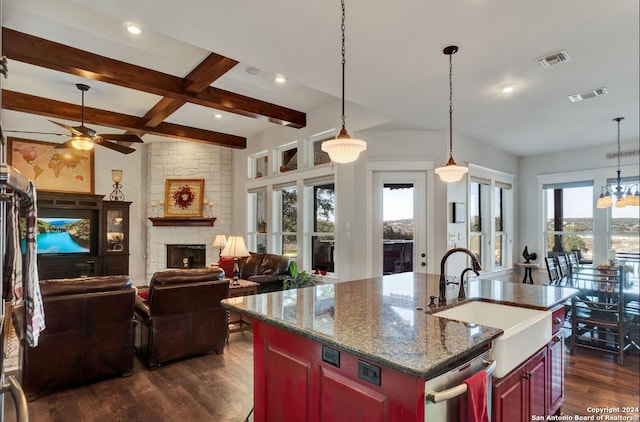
[(476, 236), (257, 239), (322, 238), (491, 218), (569, 218), (288, 212), (258, 165), (624, 226), (288, 157)]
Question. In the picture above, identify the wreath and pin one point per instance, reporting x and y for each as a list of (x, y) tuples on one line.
[(183, 196)]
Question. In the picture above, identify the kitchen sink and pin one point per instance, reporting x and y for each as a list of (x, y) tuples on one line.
[(525, 330)]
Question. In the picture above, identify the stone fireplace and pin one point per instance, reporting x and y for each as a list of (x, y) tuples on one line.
[(187, 160)]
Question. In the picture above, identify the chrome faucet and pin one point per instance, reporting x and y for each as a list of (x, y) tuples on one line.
[(442, 284)]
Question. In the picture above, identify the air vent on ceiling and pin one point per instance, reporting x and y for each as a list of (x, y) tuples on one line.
[(587, 94), (553, 58)]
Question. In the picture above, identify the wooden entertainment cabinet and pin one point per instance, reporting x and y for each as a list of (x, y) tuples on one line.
[(109, 247)]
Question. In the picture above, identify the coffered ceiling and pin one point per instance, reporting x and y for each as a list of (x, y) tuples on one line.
[(199, 58)]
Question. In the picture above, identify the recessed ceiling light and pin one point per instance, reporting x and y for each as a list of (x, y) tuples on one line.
[(254, 71), (280, 79), (218, 116), (507, 89), (133, 28)]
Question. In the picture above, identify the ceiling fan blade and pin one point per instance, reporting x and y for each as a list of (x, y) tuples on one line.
[(113, 146), (36, 133), (121, 138), (69, 128)]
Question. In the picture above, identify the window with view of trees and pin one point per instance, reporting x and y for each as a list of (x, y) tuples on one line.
[(322, 237), (569, 218), (289, 221)]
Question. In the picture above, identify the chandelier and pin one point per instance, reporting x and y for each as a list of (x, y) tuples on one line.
[(622, 192), (343, 149)]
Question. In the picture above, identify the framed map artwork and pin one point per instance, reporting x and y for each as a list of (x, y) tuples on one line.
[(52, 169)]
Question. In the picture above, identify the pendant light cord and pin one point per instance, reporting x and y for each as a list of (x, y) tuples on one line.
[(619, 179), (450, 106), (342, 28)]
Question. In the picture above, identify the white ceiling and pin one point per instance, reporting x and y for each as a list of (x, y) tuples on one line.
[(395, 64)]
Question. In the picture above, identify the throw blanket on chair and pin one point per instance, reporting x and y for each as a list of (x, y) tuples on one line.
[(25, 284)]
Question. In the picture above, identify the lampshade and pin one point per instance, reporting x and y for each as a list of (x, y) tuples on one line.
[(220, 241), (451, 172), (82, 143), (116, 176), (235, 248), (344, 149)]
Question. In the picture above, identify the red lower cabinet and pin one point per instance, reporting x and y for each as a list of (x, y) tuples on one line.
[(522, 393), (296, 379), (555, 357)]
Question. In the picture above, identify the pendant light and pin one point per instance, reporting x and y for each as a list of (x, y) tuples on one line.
[(451, 172), (623, 194), (343, 149)]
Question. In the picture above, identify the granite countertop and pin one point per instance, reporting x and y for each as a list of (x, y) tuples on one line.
[(384, 320)]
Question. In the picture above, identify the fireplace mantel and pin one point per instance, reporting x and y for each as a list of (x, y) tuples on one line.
[(182, 221)]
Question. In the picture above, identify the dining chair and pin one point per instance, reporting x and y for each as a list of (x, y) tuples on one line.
[(574, 263), (563, 266), (552, 270), (598, 319)]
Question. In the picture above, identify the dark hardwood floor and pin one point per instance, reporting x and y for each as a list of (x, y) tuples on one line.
[(218, 388)]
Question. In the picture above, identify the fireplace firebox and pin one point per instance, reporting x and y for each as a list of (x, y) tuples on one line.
[(186, 256)]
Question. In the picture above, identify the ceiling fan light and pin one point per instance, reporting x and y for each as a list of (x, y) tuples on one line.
[(344, 149), (82, 143), (451, 172)]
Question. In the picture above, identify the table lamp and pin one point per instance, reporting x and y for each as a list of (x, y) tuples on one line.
[(219, 242), (235, 248)]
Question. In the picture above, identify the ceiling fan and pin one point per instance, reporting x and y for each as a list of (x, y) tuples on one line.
[(84, 138)]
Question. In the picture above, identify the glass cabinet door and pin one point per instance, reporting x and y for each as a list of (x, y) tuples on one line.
[(116, 230)]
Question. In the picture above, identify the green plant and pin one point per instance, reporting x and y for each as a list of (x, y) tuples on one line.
[(297, 279)]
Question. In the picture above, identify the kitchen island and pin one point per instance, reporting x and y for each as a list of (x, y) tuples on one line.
[(366, 347)]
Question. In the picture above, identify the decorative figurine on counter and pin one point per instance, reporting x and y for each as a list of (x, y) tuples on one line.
[(528, 257)]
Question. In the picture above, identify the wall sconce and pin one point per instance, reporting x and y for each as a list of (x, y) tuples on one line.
[(116, 195)]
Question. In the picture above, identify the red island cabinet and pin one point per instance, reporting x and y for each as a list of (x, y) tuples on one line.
[(535, 388), (297, 379)]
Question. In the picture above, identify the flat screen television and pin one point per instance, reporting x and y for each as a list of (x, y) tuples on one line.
[(64, 231)]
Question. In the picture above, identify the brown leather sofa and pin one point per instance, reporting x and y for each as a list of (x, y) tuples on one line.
[(182, 316), (268, 270), (88, 336)]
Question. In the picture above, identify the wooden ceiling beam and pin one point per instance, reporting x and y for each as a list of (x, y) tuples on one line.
[(203, 75), (51, 55), (32, 104)]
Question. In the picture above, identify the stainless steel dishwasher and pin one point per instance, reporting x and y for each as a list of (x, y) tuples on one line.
[(443, 393)]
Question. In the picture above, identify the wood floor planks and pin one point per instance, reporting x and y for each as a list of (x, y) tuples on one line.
[(219, 388)]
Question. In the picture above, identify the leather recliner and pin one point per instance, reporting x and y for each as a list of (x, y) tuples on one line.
[(88, 335), (182, 316), (268, 270)]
